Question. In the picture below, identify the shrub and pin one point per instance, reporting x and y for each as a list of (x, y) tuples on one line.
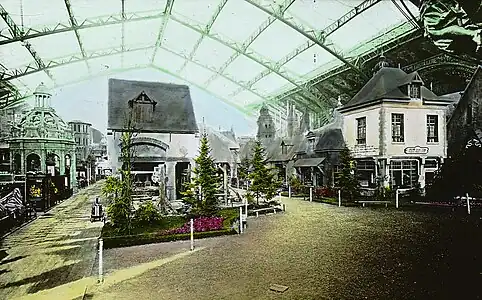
[(147, 214), (325, 192)]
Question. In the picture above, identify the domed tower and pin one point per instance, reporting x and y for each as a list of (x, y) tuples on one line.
[(42, 142), (266, 129)]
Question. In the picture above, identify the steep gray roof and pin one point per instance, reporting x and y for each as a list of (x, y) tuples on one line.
[(385, 84), (330, 137), (174, 112), (220, 145)]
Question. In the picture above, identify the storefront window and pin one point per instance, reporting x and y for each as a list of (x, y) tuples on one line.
[(365, 172), (404, 173)]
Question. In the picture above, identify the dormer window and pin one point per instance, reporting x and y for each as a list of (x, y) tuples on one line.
[(415, 90), (143, 108)]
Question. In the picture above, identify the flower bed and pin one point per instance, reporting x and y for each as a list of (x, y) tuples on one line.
[(204, 227)]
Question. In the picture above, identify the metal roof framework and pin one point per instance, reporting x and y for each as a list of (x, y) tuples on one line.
[(237, 50)]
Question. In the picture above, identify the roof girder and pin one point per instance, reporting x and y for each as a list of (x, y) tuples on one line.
[(370, 54), (28, 70), (314, 38), (73, 23), (440, 60), (283, 8), (325, 33), (210, 24), (162, 29), (31, 33), (15, 30), (103, 21)]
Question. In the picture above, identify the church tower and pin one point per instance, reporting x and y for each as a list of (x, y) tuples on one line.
[(266, 129), (291, 120)]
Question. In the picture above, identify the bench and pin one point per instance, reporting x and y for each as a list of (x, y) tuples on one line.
[(257, 211), (363, 202)]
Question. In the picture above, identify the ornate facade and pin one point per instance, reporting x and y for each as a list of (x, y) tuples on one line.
[(42, 142)]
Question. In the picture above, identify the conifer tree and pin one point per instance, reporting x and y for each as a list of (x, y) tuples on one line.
[(200, 194), (264, 179), (349, 185)]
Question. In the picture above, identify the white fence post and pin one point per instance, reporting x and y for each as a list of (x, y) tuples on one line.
[(101, 262), (396, 198), (192, 234), (289, 191), (339, 198), (468, 203), (240, 219), (311, 194)]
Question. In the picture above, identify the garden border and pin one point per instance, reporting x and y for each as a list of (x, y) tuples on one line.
[(153, 238)]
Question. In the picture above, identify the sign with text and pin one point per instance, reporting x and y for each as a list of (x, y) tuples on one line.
[(364, 151), (416, 150)]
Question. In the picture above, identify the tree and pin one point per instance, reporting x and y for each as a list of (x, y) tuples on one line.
[(120, 210), (201, 191), (264, 179), (349, 185), (243, 169)]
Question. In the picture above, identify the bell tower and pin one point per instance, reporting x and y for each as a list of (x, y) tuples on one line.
[(266, 129)]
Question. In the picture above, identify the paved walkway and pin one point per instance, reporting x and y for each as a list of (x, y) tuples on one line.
[(57, 248), (319, 251)]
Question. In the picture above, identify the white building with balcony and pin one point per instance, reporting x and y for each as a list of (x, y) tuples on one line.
[(396, 130)]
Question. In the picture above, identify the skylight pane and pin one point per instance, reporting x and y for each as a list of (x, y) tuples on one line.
[(138, 58), (277, 41), (308, 60), (179, 38), (144, 5), (212, 53), (149, 29), (168, 60), (46, 46), (367, 25), (105, 64), (15, 55), (238, 21), (320, 14), (223, 86), (101, 37), (270, 83), (196, 73), (198, 12), (88, 9), (243, 68), (246, 98), (63, 74)]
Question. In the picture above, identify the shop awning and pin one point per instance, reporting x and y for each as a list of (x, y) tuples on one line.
[(308, 162)]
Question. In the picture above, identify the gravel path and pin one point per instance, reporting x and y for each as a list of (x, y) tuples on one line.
[(57, 248), (320, 252)]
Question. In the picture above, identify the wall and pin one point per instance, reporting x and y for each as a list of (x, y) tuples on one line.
[(372, 147), (180, 146), (379, 131), (415, 129)]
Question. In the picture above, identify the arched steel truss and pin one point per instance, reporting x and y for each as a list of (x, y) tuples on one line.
[(309, 94)]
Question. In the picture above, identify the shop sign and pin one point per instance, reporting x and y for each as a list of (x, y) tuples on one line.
[(416, 150), (364, 151)]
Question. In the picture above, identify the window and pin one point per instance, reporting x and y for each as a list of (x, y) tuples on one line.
[(432, 129), (361, 125), (397, 128), (404, 173), (414, 91), (431, 164), (365, 172), (311, 142)]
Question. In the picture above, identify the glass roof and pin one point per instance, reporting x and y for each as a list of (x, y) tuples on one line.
[(241, 51)]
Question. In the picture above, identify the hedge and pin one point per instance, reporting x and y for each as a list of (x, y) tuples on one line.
[(151, 238)]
